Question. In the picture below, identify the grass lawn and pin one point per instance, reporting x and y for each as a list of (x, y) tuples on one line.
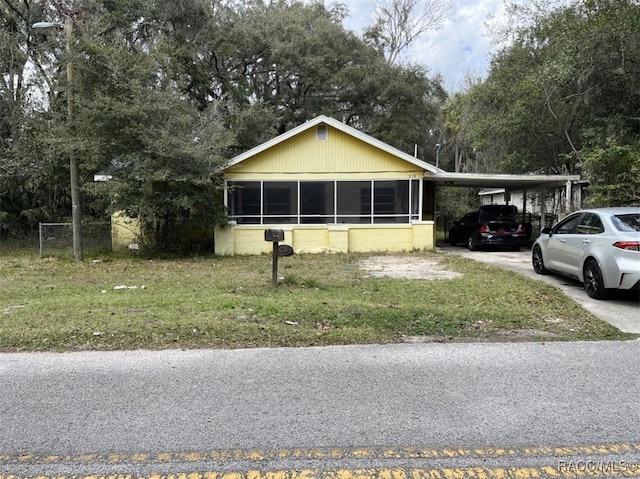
[(229, 302)]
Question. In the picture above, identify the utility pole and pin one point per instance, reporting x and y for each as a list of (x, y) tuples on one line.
[(76, 208)]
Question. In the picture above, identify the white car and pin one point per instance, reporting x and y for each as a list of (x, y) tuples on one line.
[(599, 247)]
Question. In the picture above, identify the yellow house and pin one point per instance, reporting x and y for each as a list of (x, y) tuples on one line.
[(331, 188)]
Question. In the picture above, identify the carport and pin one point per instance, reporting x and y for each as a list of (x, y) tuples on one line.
[(570, 185)]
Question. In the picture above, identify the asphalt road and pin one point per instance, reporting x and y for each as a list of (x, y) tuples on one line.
[(623, 310), (418, 407)]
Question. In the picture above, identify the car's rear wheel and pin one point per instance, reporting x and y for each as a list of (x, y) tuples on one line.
[(470, 244), (538, 261), (594, 282)]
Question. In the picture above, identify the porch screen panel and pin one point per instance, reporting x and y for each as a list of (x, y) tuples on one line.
[(244, 202), (323, 202), (316, 202), (354, 201), (280, 202), (415, 199), (391, 201)]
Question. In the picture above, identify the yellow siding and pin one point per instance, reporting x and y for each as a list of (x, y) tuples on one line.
[(340, 156), (125, 231)]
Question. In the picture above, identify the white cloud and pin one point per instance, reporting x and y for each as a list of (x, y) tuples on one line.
[(461, 47)]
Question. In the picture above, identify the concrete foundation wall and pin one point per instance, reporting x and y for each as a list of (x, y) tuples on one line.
[(328, 238)]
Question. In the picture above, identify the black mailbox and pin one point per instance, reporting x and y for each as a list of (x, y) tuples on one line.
[(274, 235)]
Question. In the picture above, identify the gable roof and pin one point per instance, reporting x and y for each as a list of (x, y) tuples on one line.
[(338, 125)]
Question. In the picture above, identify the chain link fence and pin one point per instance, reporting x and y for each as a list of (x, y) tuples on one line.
[(56, 239)]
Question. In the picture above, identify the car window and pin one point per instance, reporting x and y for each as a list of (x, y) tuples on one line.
[(568, 225), (590, 224), (498, 212), (629, 223), (469, 218)]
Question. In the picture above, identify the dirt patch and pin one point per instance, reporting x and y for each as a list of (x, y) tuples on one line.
[(406, 267)]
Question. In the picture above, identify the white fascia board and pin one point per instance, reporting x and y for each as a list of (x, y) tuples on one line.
[(481, 180)]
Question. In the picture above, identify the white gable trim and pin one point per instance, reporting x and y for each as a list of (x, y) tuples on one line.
[(338, 125)]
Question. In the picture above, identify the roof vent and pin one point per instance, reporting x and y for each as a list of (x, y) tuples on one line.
[(322, 133)]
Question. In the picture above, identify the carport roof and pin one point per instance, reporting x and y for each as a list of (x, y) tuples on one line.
[(510, 182)]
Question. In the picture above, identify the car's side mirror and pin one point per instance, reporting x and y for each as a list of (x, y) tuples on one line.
[(546, 231)]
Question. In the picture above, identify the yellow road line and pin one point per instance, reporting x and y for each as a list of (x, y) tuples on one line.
[(327, 453), (578, 470)]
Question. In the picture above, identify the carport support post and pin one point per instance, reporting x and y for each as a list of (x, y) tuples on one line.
[(569, 194), (274, 266), (543, 208)]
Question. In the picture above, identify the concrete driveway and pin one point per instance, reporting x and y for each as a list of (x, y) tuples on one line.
[(622, 311)]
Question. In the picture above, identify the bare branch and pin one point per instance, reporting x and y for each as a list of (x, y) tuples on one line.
[(400, 22)]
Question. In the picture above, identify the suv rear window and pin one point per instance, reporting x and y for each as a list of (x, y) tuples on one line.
[(498, 212), (628, 223)]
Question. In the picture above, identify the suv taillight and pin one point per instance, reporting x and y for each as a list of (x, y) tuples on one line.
[(629, 245), (522, 230), (484, 229)]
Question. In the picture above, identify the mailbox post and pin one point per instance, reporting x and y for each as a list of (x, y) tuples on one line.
[(274, 236)]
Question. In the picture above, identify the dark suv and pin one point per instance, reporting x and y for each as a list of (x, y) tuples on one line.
[(491, 225)]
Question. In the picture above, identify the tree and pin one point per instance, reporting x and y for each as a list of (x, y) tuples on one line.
[(136, 122), (568, 81), (167, 92), (615, 174), (29, 189), (282, 63), (455, 125), (398, 23), (404, 109), (275, 65)]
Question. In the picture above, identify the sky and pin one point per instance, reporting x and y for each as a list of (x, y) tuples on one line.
[(461, 47)]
